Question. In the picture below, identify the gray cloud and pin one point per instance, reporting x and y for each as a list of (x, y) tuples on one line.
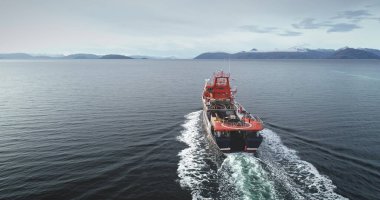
[(308, 23), (372, 5), (256, 29), (342, 22), (272, 30), (354, 15), (342, 27), (290, 33)]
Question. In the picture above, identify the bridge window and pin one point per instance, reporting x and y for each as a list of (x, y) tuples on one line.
[(221, 81)]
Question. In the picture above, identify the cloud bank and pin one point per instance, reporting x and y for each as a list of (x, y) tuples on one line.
[(184, 28)]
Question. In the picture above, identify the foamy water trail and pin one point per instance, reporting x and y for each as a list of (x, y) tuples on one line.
[(193, 168), (241, 176), (298, 178), (278, 173)]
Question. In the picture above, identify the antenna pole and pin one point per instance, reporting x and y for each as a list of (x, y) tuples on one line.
[(229, 64)]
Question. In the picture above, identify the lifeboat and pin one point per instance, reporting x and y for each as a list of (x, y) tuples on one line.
[(228, 125)]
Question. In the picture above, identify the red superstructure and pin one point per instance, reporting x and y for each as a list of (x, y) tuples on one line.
[(219, 87)]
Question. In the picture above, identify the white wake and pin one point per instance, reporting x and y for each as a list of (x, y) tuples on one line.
[(297, 176), (278, 173)]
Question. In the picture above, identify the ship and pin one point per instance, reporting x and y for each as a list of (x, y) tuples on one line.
[(228, 126)]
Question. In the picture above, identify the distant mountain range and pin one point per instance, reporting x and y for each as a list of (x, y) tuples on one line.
[(343, 53), (298, 53), (72, 56)]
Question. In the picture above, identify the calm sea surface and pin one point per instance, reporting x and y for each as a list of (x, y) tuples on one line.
[(130, 129)]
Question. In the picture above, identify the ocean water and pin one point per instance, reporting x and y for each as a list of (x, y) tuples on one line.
[(130, 129)]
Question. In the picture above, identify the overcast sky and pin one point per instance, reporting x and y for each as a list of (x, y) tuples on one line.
[(185, 28)]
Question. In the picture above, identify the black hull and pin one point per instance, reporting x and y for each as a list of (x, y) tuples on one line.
[(237, 142)]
